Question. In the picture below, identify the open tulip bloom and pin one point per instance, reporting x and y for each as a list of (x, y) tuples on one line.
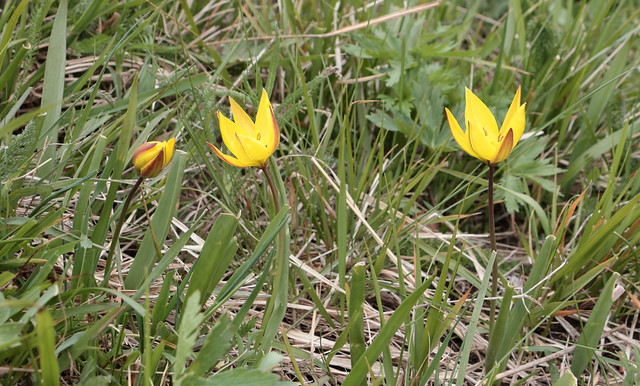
[(482, 139), (252, 143)]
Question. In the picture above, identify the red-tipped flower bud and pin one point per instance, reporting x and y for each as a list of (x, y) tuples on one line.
[(151, 157)]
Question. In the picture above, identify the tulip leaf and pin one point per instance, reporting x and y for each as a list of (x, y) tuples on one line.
[(381, 341), (188, 332), (592, 330), (161, 220), (566, 379), (277, 304), (213, 261), (234, 282)]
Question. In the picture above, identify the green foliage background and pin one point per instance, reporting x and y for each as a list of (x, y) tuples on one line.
[(374, 270)]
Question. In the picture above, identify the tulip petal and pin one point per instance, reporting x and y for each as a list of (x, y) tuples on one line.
[(232, 160), (479, 114), (481, 142), (517, 123), (154, 166), (145, 153), (460, 136), (275, 132), (242, 120), (230, 131), (168, 153), (505, 148), (264, 122), (254, 150), (515, 105)]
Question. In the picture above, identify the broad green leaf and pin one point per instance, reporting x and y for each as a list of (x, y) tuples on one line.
[(277, 304), (215, 257), (371, 354), (592, 330), (215, 346), (567, 379), (188, 331)]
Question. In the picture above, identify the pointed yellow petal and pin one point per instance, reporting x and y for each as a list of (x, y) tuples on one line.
[(242, 120), (168, 153), (505, 148), (275, 132), (481, 142), (460, 137), (231, 160), (254, 150), (515, 105), (479, 114), (230, 131), (264, 122), (517, 124)]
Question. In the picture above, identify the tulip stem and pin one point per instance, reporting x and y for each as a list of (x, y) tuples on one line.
[(273, 189), (494, 270), (116, 234)]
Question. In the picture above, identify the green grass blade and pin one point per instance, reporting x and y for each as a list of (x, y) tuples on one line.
[(498, 335), (473, 323), (600, 238), (53, 91), (82, 269), (356, 314), (9, 27), (113, 171), (272, 231), (532, 287), (45, 330)]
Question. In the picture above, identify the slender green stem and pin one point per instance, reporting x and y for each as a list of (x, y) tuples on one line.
[(273, 189), (494, 270), (116, 234)]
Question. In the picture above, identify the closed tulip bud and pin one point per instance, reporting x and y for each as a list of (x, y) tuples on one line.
[(151, 157)]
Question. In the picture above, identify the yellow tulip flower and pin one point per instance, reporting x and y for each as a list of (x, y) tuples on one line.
[(151, 157), (251, 143), (482, 139)]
